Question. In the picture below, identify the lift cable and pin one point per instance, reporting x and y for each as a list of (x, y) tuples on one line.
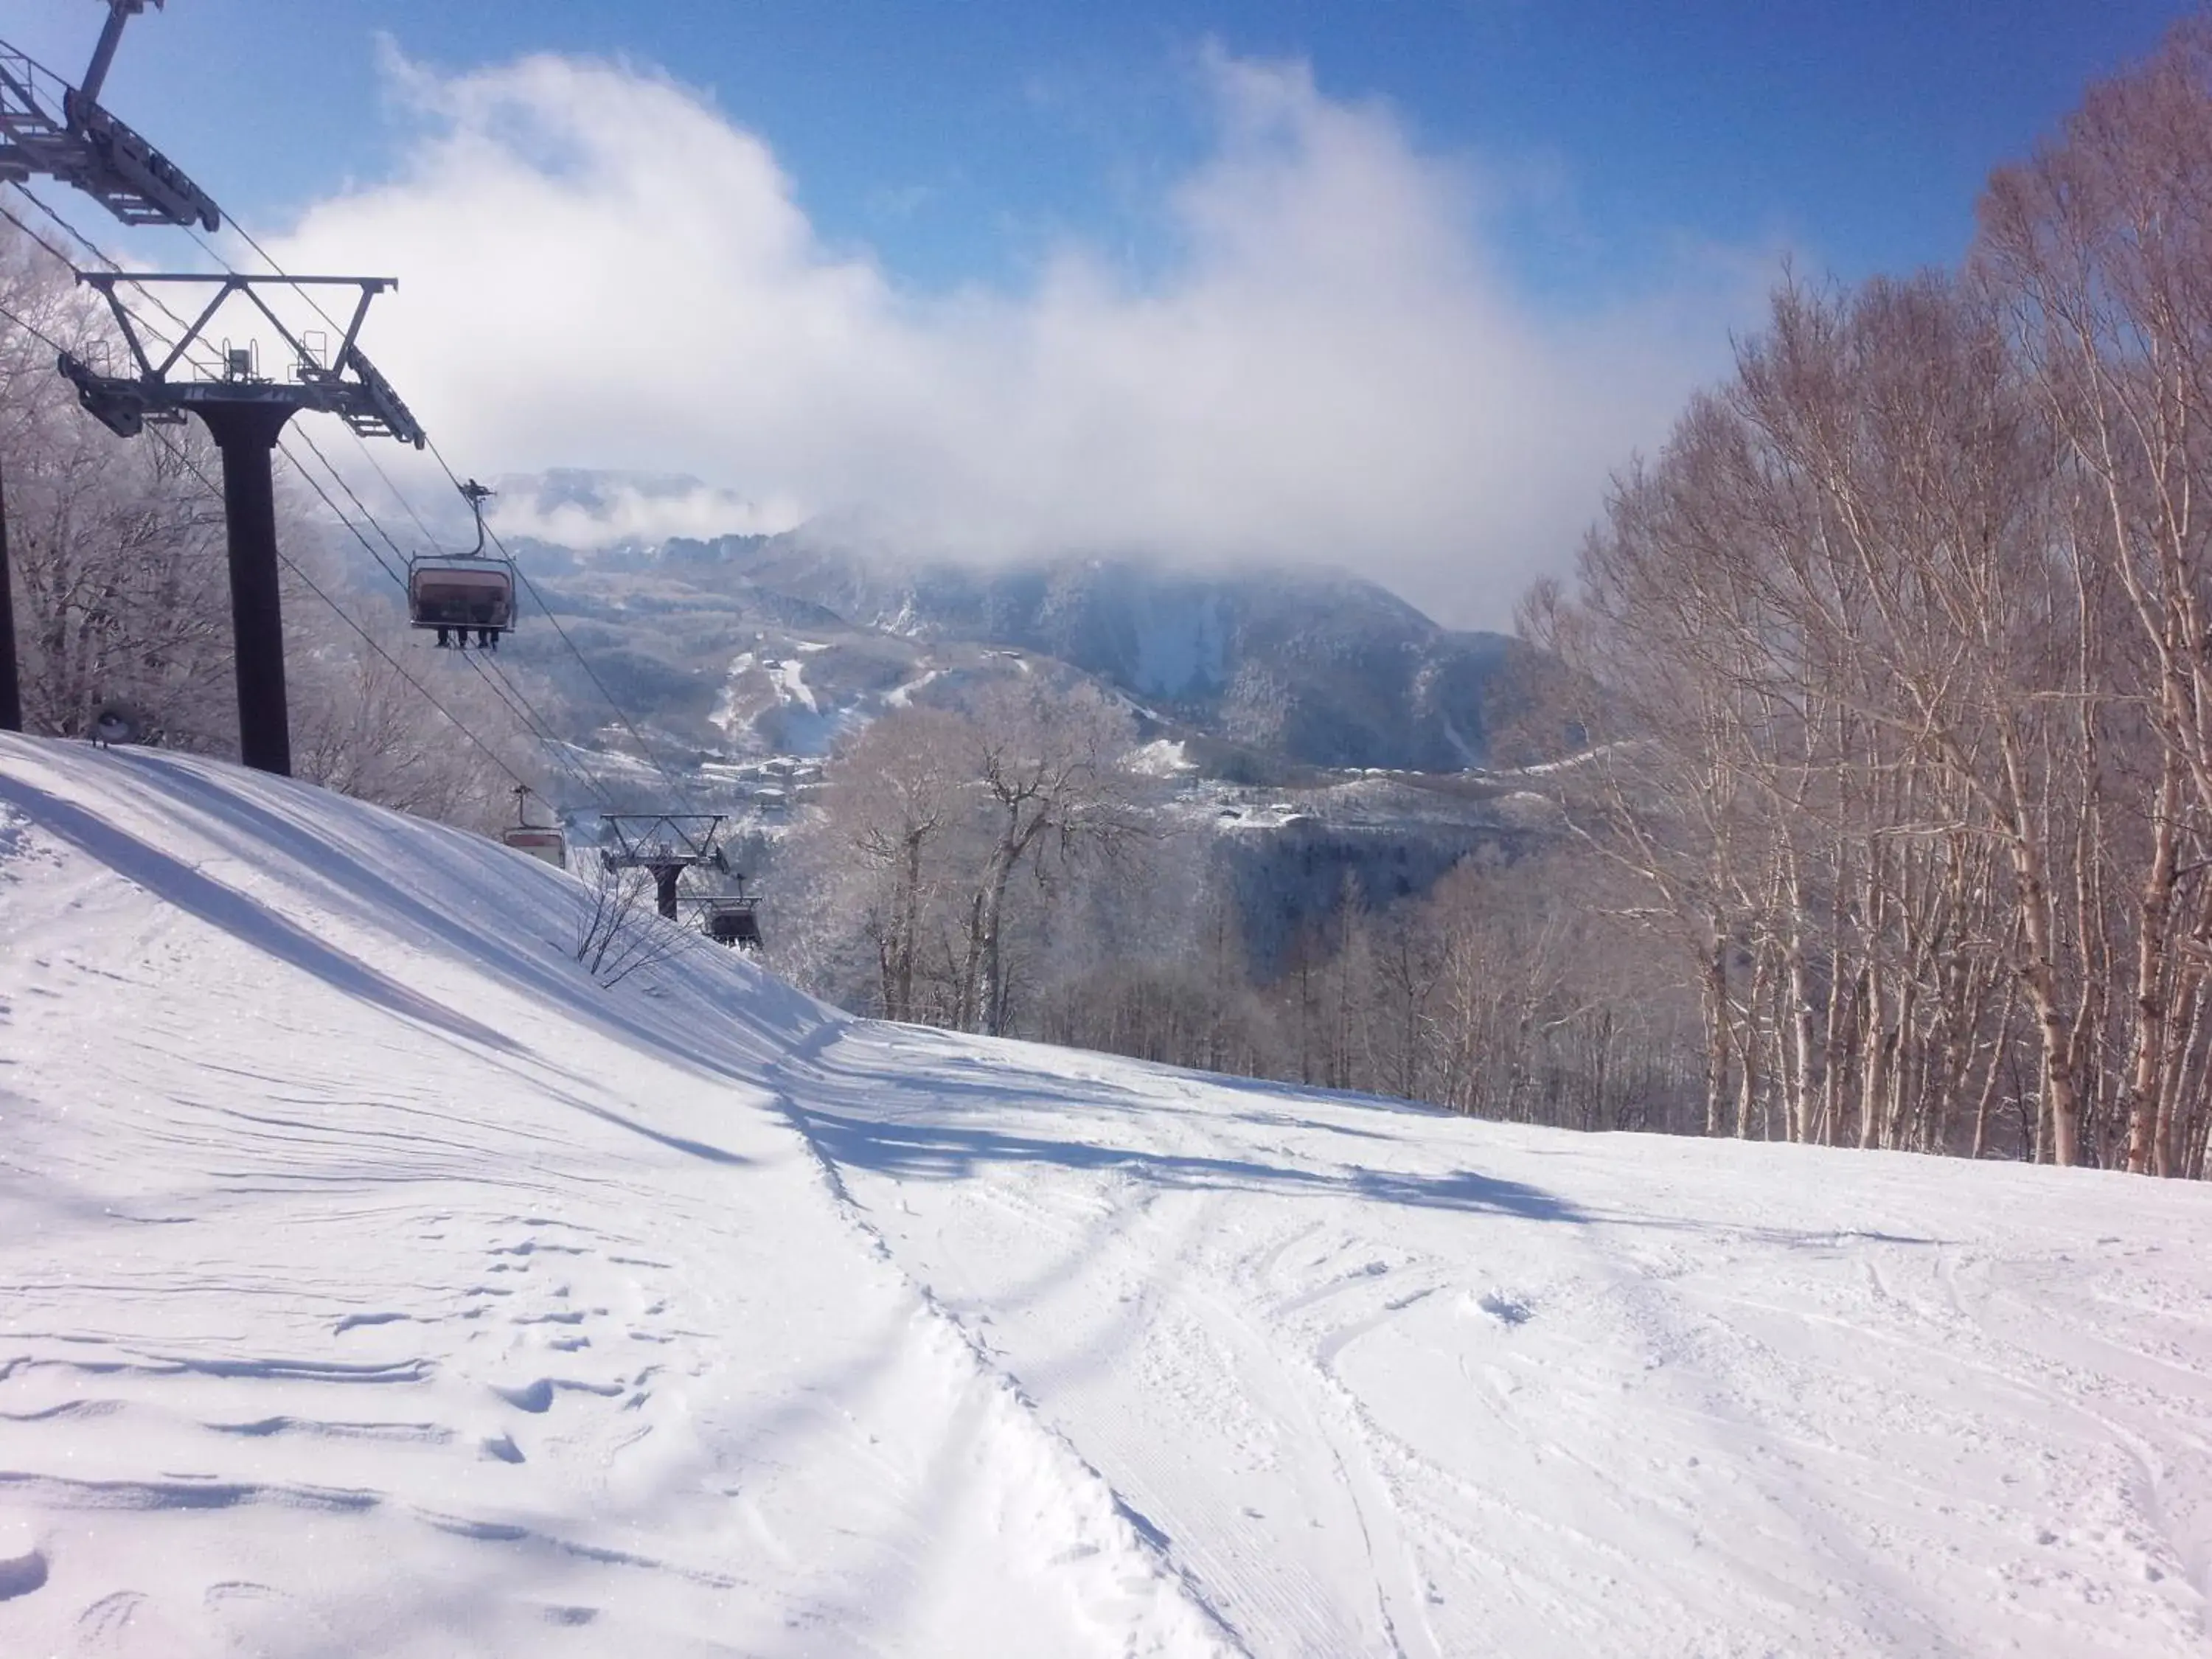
[(185, 459), (645, 749), (505, 690), (104, 259), (68, 263), (359, 506)]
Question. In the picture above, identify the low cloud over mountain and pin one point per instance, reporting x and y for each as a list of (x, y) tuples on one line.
[(598, 267)]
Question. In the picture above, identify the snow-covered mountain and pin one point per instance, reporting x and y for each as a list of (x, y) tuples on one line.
[(1297, 666), (378, 1282), (1321, 667)]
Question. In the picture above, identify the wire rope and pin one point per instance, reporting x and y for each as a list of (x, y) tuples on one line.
[(644, 748), (185, 460), (510, 695)]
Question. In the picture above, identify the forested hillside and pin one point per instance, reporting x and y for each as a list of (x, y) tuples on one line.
[(1896, 662), (1856, 788), (1912, 617)]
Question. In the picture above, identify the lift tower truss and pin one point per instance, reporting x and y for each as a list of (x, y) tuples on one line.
[(664, 844), (50, 128), (244, 413)]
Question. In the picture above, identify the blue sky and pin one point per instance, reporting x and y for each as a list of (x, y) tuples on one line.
[(954, 138), (986, 182)]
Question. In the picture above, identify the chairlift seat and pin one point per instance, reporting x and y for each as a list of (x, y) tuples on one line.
[(539, 843), (461, 592), (732, 922)]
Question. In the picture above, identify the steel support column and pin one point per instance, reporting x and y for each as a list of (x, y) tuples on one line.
[(247, 433), (11, 690)]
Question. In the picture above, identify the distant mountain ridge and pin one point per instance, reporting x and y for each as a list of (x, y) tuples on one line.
[(741, 641), (1319, 667)]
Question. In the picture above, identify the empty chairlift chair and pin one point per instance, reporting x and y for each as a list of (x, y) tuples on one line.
[(543, 841), (546, 844)]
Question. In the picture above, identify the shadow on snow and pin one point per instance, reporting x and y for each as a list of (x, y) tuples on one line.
[(944, 1152)]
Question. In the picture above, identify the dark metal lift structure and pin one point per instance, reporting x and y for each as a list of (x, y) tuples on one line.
[(244, 413), (50, 128), (666, 844), (12, 694)]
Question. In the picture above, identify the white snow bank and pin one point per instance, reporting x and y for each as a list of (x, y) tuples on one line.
[(374, 1283), (1392, 1382)]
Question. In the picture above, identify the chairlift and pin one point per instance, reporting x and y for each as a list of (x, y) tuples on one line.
[(729, 917), (546, 844), (666, 845), (734, 922), (540, 841), (463, 593)]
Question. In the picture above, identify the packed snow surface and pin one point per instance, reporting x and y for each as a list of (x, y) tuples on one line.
[(376, 1283)]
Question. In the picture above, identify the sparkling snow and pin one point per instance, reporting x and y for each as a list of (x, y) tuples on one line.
[(375, 1283)]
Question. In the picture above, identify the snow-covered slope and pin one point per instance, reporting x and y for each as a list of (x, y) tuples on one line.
[(376, 1283)]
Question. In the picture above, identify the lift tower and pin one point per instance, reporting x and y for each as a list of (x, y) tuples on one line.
[(666, 845), (11, 695), (86, 147), (245, 412), (50, 128)]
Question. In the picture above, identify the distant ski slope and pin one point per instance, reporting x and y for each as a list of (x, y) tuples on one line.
[(372, 1283)]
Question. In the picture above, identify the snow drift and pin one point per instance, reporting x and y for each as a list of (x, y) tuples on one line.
[(376, 1283)]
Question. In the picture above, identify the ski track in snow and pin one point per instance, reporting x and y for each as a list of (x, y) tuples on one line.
[(1389, 1383), (370, 1282), (374, 1283)]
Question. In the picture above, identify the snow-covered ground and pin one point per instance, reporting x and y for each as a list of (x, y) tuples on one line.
[(757, 686), (371, 1281)]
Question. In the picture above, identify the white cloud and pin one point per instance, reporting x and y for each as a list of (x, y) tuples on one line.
[(598, 268), (599, 509)]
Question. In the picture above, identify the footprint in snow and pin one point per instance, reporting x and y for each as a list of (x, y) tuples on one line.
[(357, 1322), (22, 1574), (538, 1396), (1507, 1310), (530, 1396)]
